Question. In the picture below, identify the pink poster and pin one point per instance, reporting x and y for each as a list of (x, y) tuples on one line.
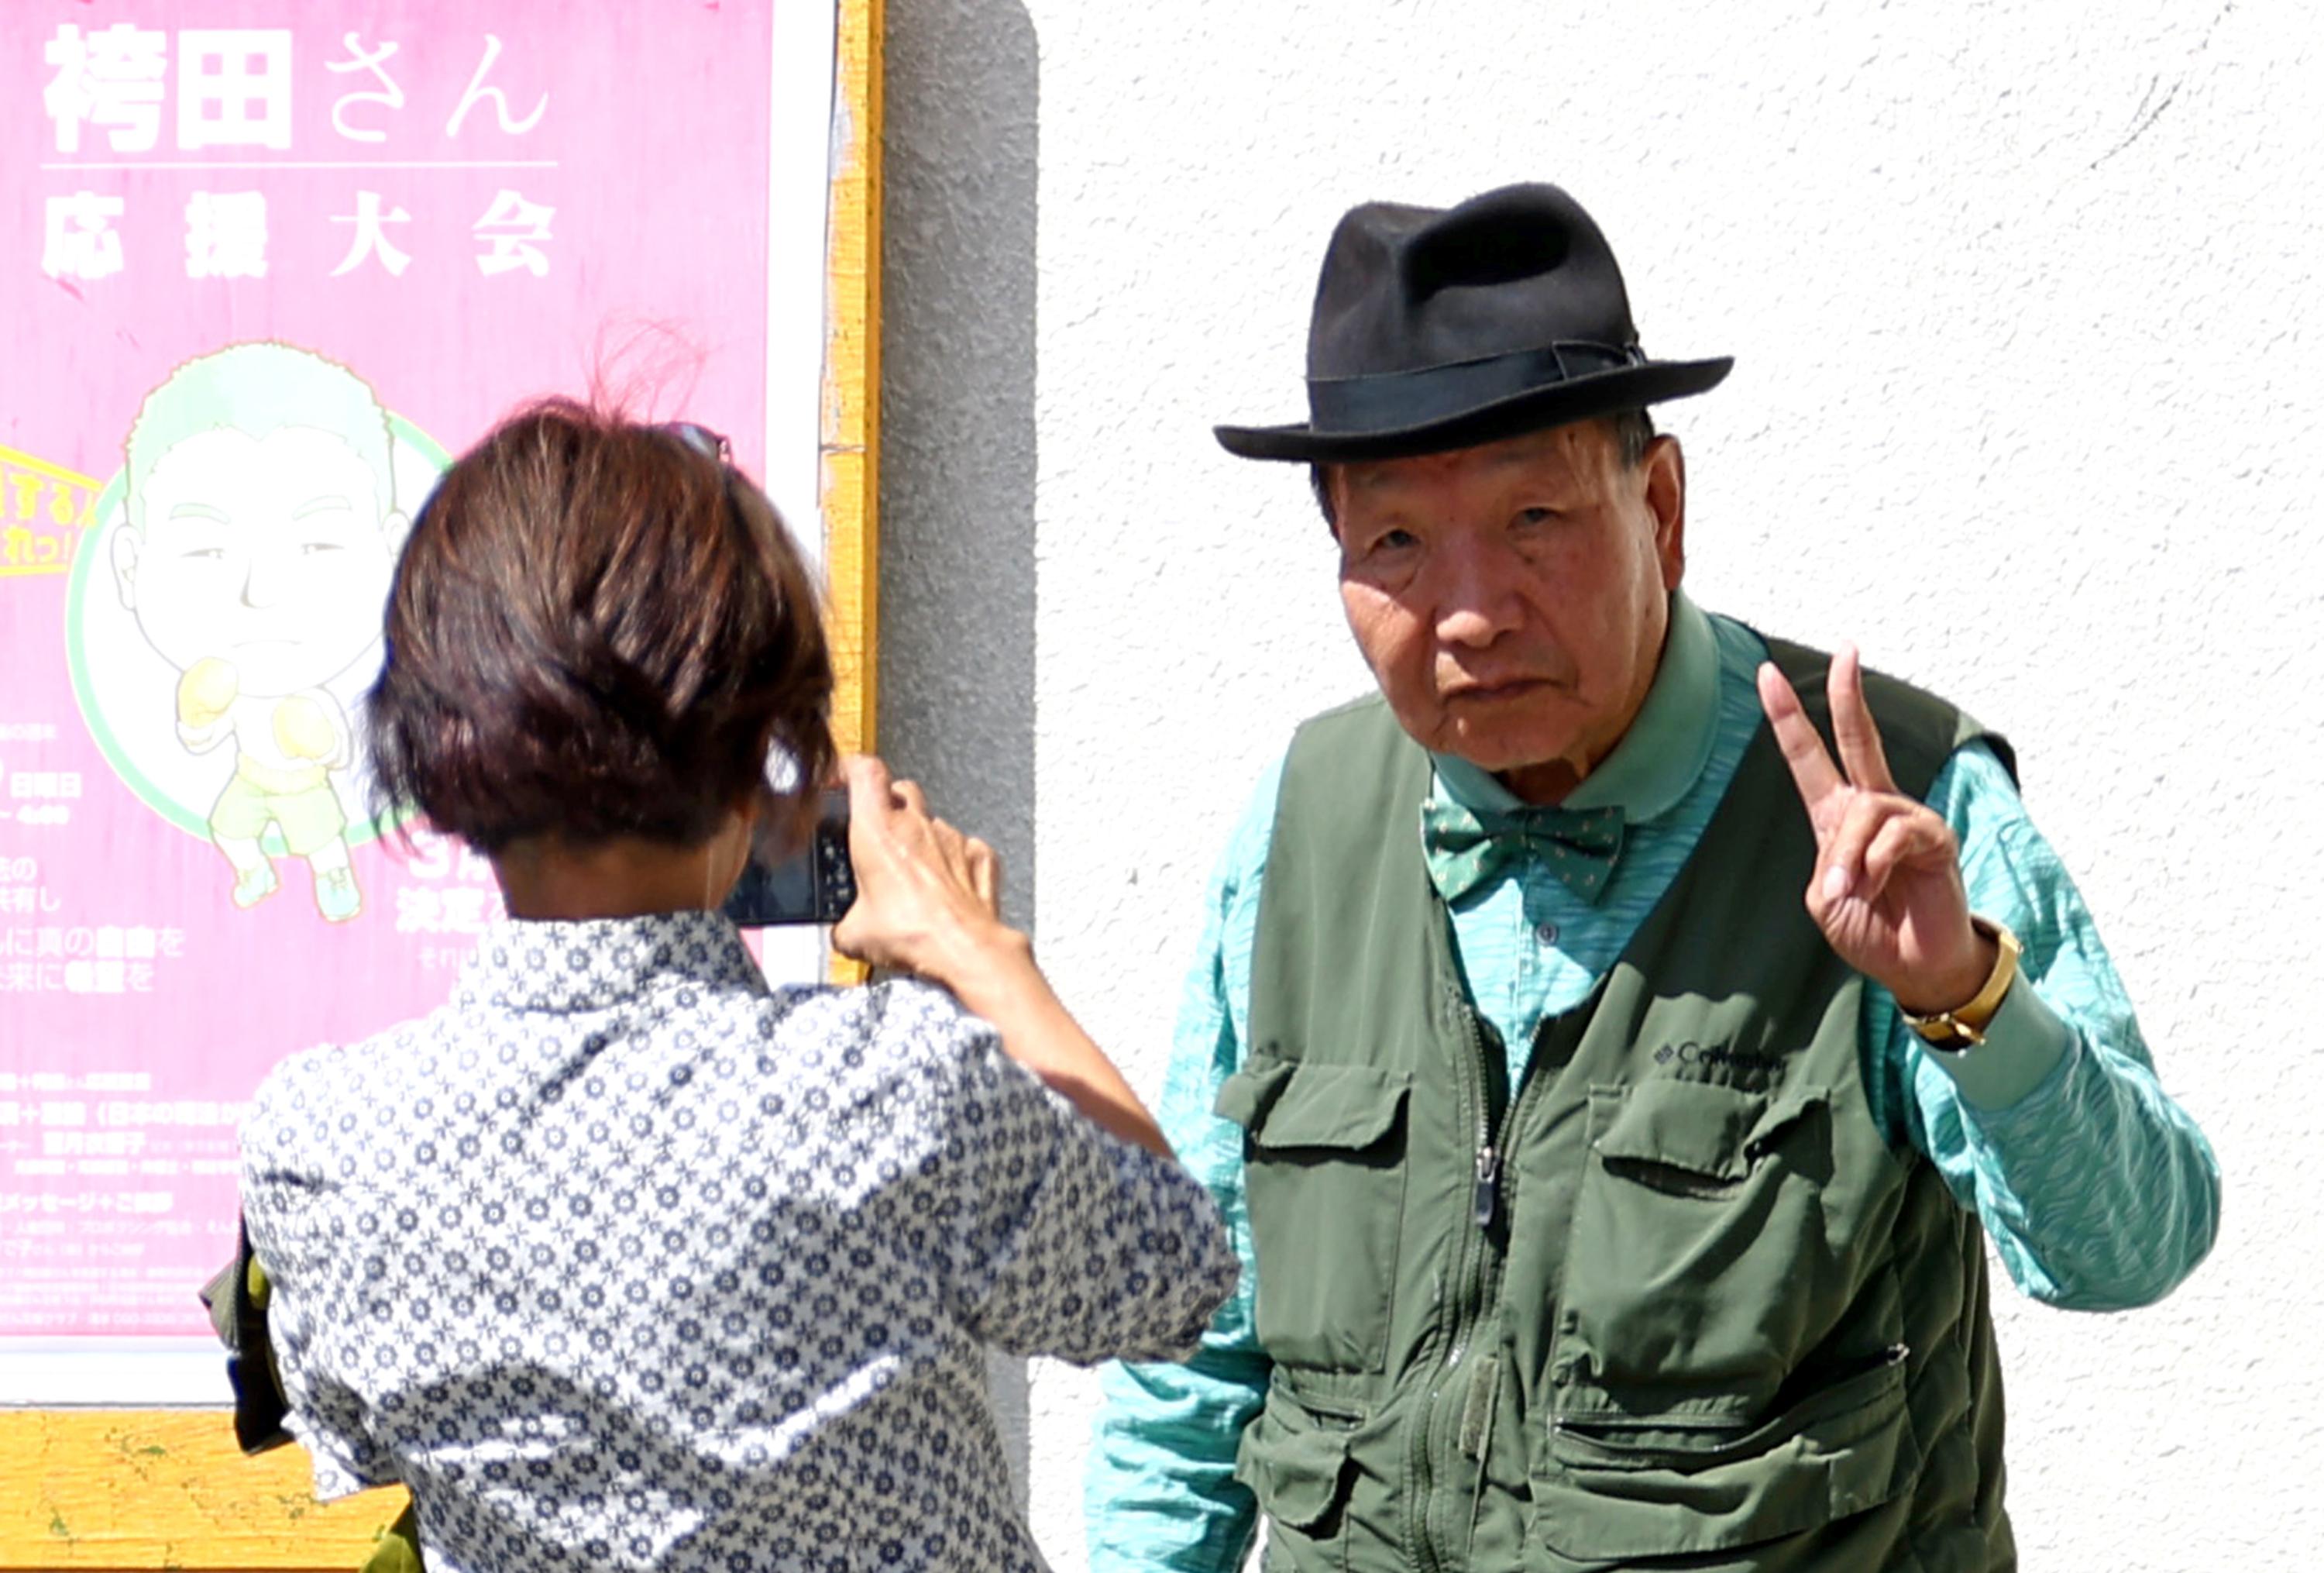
[(267, 264)]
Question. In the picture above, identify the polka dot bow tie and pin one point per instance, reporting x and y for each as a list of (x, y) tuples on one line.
[(1466, 846)]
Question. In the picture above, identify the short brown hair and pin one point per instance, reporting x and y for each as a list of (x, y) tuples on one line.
[(598, 629)]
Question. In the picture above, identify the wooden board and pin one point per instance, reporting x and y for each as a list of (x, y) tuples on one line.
[(168, 1488), (851, 423)]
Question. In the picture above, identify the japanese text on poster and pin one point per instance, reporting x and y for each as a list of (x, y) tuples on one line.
[(268, 265)]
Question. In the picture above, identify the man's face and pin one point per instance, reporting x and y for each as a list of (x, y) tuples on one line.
[(1512, 599), (270, 553)]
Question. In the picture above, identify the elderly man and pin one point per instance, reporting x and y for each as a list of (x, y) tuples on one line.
[(1616, 1043)]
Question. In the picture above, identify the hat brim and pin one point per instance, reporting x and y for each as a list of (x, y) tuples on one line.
[(1534, 410)]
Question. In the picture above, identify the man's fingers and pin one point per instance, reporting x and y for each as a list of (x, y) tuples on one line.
[(1844, 849), (909, 793), (1860, 753), (1812, 771), (1904, 837), (1880, 834)]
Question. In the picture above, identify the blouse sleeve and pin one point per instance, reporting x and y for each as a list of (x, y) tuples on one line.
[(1061, 1239), (289, 1161)]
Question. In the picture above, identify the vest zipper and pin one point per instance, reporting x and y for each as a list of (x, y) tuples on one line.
[(1492, 1194), (1470, 1298), (1489, 1184)]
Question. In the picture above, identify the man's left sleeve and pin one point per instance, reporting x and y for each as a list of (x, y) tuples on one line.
[(2098, 1189)]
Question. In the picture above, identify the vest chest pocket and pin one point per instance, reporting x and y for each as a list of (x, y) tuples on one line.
[(1323, 1173), (1698, 1271), (1705, 1396)]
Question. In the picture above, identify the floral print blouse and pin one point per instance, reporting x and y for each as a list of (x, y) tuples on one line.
[(624, 1259)]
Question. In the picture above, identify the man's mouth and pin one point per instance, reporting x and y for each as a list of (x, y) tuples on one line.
[(1497, 692)]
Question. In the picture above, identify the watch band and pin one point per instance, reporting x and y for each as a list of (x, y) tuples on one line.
[(1963, 1026)]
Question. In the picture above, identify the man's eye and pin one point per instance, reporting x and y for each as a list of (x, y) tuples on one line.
[(1535, 518), (1395, 540), (312, 548)]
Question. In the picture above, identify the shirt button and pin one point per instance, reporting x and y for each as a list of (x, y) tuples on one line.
[(1546, 932)]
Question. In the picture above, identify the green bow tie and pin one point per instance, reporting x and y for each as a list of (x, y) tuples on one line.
[(1468, 847)]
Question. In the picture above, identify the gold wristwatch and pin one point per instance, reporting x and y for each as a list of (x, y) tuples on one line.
[(1963, 1026)]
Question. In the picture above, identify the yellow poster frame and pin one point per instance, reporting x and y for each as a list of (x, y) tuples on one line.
[(122, 1488)]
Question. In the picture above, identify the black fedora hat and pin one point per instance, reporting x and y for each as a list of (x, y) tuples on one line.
[(1438, 327)]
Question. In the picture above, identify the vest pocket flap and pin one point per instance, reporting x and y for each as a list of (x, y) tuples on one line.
[(1613, 1492), (1284, 1104), (1703, 1129), (1245, 1096), (1295, 1466)]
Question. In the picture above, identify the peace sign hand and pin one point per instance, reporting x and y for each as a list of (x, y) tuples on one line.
[(1886, 891)]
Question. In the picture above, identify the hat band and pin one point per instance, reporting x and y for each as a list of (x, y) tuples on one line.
[(1395, 400)]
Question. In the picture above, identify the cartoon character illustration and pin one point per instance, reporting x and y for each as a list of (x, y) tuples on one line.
[(258, 537)]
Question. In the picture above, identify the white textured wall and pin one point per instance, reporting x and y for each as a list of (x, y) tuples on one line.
[(2024, 298)]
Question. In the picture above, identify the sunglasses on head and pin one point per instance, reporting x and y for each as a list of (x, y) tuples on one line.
[(701, 438), (714, 446)]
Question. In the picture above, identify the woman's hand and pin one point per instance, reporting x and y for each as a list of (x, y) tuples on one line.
[(927, 898)]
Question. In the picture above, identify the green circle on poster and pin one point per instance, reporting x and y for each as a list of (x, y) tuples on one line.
[(222, 622)]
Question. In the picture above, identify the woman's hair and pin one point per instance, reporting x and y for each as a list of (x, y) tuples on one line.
[(598, 629)]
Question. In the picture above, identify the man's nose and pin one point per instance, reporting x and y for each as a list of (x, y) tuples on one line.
[(1476, 600)]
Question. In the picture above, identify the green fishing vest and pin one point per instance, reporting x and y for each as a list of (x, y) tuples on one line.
[(1672, 1300)]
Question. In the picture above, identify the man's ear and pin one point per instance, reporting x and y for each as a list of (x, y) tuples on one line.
[(1665, 493), (395, 529), (128, 541)]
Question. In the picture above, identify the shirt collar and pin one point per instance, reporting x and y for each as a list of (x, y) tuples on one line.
[(1658, 760), (527, 965)]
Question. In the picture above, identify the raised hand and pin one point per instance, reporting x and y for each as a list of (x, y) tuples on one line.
[(928, 897), (1886, 891), (928, 900)]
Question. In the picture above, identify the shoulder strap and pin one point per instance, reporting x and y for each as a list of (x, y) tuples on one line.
[(236, 1297)]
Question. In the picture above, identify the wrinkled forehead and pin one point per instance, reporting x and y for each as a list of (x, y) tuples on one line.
[(1575, 453)]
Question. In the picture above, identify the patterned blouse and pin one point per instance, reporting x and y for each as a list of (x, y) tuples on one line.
[(622, 1260)]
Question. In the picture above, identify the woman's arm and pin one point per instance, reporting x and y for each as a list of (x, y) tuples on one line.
[(928, 902)]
